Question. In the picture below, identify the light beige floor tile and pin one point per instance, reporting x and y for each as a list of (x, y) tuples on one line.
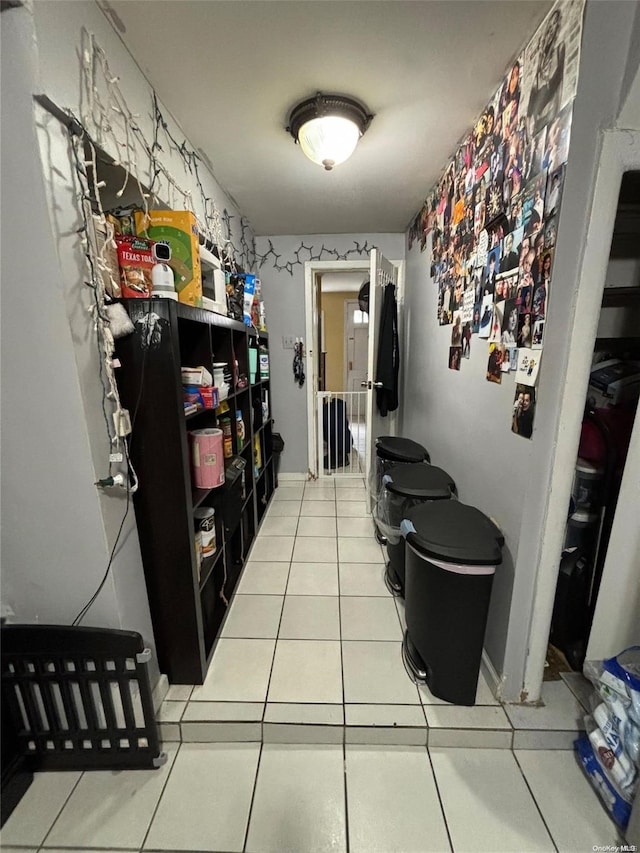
[(349, 482), (471, 738), (171, 712), (353, 493), (263, 578), (179, 691), (374, 673), (313, 579), (279, 526), (486, 802), (239, 672), (308, 733), (34, 815), (310, 617), (385, 715), (272, 549), (369, 618), (189, 813), (351, 509), (570, 806), (312, 778), (291, 712), (356, 549), (253, 617), (111, 809), (221, 732), (319, 493), (315, 549), (562, 710), (363, 579), (386, 735), (289, 492), (317, 527), (361, 527), (463, 717), (306, 671), (283, 509), (234, 712), (392, 802), (318, 509)]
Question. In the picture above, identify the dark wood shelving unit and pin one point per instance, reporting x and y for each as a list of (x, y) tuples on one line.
[(187, 606)]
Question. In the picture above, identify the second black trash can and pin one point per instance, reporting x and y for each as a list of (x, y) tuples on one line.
[(391, 449), (404, 487), (452, 551)]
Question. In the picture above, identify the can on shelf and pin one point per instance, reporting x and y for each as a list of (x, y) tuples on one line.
[(205, 518)]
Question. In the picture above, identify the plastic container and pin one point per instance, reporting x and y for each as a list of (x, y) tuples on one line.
[(227, 438), (207, 455), (205, 518), (451, 558), (240, 432), (391, 449), (253, 365), (587, 484), (405, 486), (264, 362)]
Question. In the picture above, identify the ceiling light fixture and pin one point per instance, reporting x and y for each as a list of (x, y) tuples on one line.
[(328, 127)]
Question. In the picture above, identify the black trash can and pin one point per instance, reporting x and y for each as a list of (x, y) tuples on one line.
[(277, 446), (405, 486), (452, 551), (389, 450)]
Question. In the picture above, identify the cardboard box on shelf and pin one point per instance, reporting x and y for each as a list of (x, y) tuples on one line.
[(179, 229)]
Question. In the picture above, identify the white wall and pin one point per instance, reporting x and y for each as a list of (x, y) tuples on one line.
[(57, 530), (285, 308), (465, 422)]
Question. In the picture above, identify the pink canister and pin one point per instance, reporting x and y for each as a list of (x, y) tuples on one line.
[(208, 458)]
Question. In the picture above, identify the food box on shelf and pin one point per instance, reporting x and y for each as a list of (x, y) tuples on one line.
[(179, 229)]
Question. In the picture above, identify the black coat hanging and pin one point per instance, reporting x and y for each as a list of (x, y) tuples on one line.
[(388, 365)]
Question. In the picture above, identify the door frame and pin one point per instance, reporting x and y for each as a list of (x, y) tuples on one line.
[(620, 153), (345, 365), (311, 346)]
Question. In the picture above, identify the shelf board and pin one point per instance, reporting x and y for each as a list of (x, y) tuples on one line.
[(199, 412), (208, 566), (620, 296), (203, 315)]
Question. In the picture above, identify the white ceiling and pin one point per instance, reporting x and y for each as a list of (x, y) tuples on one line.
[(230, 70)]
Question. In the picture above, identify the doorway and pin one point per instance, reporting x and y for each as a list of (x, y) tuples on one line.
[(615, 617), (340, 393)]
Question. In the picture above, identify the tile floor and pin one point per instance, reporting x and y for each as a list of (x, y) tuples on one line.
[(310, 650), (308, 736), (288, 798)]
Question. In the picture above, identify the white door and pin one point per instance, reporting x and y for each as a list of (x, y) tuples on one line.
[(382, 273), (356, 345)]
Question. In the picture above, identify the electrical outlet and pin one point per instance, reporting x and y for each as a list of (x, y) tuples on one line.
[(288, 342)]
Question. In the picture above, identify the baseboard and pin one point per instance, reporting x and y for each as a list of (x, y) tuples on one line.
[(493, 679), (159, 692)]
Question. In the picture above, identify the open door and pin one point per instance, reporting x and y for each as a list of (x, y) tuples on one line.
[(382, 273)]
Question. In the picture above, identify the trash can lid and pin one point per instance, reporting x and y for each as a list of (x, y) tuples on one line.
[(453, 532), (400, 449), (419, 481)]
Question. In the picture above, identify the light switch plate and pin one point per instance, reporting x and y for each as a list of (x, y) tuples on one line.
[(288, 342)]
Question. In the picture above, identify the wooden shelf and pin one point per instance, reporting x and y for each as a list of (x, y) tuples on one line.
[(186, 610)]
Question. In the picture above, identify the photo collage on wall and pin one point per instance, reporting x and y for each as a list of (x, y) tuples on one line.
[(493, 214)]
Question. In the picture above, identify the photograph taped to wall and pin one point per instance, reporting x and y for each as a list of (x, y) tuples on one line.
[(528, 366), (550, 231), (525, 330), (486, 313), (455, 356), (551, 64), (558, 138), (496, 323), (555, 185), (533, 204), (456, 330), (494, 364), (512, 357), (510, 322), (466, 340), (523, 411), (466, 312), (508, 285), (475, 322), (538, 332), (510, 251)]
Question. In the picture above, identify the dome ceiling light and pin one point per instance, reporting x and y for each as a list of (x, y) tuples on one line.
[(328, 127)]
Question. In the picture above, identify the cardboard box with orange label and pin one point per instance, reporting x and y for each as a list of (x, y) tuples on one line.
[(179, 229)]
